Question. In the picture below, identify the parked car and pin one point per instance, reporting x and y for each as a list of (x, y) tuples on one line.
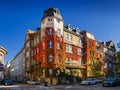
[(7, 82), (111, 81), (1, 81), (100, 79), (25, 80), (89, 81), (33, 82)]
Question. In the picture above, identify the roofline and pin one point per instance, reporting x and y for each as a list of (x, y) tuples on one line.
[(5, 51)]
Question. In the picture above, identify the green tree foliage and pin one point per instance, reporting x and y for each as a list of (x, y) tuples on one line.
[(118, 62), (96, 68)]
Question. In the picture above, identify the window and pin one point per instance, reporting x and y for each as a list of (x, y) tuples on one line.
[(67, 59), (67, 48), (50, 72), (49, 19), (79, 41), (79, 61), (58, 32), (70, 48), (70, 59), (58, 20), (79, 51), (91, 62), (67, 37), (70, 38), (68, 72), (58, 45), (50, 31), (59, 58), (50, 44), (37, 50), (50, 58)]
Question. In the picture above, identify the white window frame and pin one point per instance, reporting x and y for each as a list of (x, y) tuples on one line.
[(67, 36), (58, 32), (79, 51), (70, 48), (50, 44), (50, 58), (67, 48), (50, 31), (70, 37), (79, 41), (50, 19), (58, 45), (71, 60)]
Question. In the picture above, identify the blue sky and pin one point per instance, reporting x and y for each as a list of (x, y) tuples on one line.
[(99, 17)]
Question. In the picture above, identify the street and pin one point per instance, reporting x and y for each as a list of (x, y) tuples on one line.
[(57, 87)]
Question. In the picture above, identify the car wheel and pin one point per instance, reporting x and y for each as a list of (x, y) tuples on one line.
[(6, 84), (103, 85)]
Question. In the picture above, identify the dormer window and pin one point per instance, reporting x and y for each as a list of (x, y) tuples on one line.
[(50, 31), (49, 19), (50, 44)]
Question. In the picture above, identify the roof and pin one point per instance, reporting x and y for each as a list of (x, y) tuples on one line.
[(3, 50)]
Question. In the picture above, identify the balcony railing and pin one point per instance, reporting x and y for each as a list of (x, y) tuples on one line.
[(74, 65)]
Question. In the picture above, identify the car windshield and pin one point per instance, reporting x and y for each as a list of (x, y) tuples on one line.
[(110, 79)]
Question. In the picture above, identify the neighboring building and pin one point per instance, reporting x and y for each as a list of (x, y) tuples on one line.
[(17, 66), (3, 52), (109, 57), (74, 63), (7, 70)]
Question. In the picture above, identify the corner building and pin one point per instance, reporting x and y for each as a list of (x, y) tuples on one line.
[(55, 49)]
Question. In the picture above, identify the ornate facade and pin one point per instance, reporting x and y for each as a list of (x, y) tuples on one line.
[(55, 49)]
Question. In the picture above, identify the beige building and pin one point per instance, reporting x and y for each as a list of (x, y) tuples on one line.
[(3, 52)]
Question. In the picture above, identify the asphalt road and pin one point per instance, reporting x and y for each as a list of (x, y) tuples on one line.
[(58, 87)]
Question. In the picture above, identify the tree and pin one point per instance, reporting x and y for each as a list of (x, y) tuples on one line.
[(118, 59), (118, 62), (96, 68)]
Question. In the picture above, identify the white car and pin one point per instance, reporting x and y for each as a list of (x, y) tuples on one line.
[(89, 81)]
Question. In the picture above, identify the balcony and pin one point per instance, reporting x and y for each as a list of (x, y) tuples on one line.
[(74, 65)]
